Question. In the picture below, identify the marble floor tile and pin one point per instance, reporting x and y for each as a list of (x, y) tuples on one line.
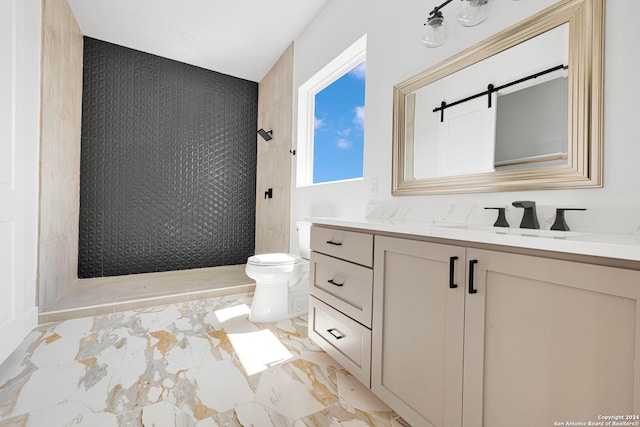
[(213, 388), (297, 389), (200, 363), (64, 414), (353, 393), (343, 415)]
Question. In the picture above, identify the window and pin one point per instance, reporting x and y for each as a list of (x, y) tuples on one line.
[(331, 120)]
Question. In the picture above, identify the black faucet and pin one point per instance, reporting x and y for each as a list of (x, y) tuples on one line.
[(502, 219), (560, 223), (529, 219)]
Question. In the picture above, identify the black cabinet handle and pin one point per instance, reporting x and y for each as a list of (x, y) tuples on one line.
[(336, 336), (452, 264), (472, 265), (335, 283), (330, 242)]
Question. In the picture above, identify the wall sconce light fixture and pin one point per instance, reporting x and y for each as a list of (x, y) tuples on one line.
[(266, 135), (472, 12)]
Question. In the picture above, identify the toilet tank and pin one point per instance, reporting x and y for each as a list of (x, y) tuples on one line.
[(304, 238)]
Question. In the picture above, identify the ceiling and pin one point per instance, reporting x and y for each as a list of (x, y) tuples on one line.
[(242, 38)]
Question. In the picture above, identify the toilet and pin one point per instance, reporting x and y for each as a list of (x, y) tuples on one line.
[(282, 281)]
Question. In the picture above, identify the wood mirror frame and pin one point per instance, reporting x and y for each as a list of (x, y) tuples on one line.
[(585, 127)]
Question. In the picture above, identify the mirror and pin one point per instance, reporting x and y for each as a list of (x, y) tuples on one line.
[(521, 110)]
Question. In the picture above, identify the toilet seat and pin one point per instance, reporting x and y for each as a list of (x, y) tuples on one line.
[(273, 260)]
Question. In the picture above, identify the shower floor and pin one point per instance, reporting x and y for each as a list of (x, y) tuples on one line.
[(90, 297)]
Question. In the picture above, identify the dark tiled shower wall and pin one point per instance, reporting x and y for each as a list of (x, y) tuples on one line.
[(168, 165)]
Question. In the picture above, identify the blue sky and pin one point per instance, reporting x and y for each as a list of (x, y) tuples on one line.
[(338, 139)]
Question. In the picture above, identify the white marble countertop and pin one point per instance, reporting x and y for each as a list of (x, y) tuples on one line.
[(610, 245)]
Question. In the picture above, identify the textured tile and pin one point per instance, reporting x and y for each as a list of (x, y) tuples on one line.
[(168, 161)]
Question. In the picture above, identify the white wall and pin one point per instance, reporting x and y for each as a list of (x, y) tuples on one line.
[(394, 53), (19, 133)]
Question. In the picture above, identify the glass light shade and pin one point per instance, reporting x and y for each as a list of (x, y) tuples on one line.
[(435, 31), (473, 12)]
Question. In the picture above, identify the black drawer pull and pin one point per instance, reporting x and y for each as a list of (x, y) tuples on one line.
[(452, 264), (335, 283), (472, 265), (331, 242), (337, 335)]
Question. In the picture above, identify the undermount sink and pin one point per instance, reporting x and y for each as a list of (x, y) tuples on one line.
[(513, 231)]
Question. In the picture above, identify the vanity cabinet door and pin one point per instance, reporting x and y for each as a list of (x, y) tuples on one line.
[(418, 330), (549, 341)]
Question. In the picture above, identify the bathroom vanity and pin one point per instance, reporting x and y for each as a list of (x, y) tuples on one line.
[(469, 326), (453, 324)]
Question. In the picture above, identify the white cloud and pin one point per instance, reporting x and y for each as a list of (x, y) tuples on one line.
[(359, 117), (317, 123), (344, 132), (360, 71), (343, 143)]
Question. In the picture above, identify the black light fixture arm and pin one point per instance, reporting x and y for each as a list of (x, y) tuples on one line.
[(491, 88), (436, 9)]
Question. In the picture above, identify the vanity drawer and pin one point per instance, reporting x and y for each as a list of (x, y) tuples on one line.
[(344, 339), (345, 286), (348, 245)]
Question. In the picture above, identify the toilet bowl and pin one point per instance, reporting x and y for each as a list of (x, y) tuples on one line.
[(282, 282)]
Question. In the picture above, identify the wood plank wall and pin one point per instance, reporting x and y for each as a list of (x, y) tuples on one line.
[(61, 112), (275, 109)]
